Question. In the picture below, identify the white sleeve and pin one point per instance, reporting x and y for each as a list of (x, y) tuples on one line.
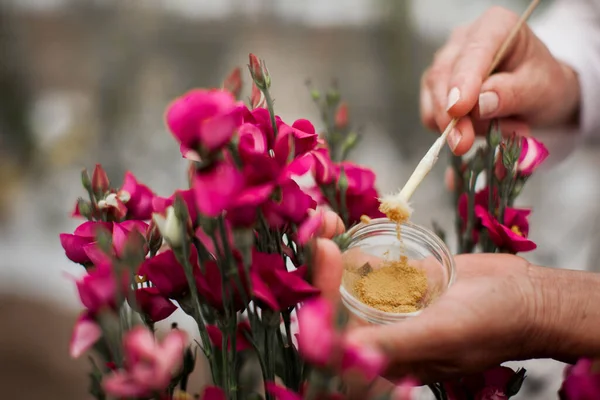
[(571, 30)]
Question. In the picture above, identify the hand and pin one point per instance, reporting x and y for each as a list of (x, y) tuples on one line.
[(530, 88), (501, 308)]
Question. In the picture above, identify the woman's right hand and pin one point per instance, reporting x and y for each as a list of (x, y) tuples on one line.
[(530, 88)]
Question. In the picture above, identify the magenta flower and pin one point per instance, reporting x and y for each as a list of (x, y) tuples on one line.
[(160, 204), (512, 235), (309, 227), (136, 197), (150, 366), (213, 393), (281, 393), (361, 194), (83, 235), (274, 286), (98, 289), (321, 345), (301, 137), (122, 233), (582, 381), (481, 199), (151, 303), (204, 120), (241, 342), (215, 188), (85, 334), (324, 170), (317, 340), (404, 390), (292, 206), (167, 275), (533, 154), (260, 118), (494, 384)]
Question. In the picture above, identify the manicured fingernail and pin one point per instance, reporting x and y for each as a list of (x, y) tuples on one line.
[(454, 139), (488, 103), (453, 97)]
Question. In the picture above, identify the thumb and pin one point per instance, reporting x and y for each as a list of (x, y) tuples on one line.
[(508, 94), (328, 269)]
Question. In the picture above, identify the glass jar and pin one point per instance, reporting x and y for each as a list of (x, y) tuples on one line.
[(377, 242)]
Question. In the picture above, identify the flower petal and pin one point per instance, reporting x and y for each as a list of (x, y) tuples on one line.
[(214, 189), (85, 334)]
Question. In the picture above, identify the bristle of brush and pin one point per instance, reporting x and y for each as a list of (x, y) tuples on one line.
[(396, 208)]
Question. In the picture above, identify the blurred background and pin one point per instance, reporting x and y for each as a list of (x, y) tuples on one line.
[(86, 81)]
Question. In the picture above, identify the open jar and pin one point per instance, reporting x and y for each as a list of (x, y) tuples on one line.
[(420, 258)]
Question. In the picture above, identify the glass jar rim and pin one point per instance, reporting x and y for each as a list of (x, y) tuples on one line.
[(387, 227)]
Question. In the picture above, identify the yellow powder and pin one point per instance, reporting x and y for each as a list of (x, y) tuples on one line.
[(395, 287), (365, 219), (395, 214)]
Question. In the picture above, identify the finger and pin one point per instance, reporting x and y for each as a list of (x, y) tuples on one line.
[(331, 225), (327, 275), (436, 80), (426, 104), (461, 139), (510, 94), (475, 60)]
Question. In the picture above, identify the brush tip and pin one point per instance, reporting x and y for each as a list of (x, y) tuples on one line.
[(395, 208)]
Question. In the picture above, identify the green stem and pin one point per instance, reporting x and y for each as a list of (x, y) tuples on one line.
[(293, 359), (271, 109), (456, 164), (468, 235), (261, 360)]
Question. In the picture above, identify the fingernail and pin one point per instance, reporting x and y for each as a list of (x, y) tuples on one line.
[(488, 103), (454, 139), (453, 97)]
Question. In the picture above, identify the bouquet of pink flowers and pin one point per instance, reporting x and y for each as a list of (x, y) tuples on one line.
[(232, 252)]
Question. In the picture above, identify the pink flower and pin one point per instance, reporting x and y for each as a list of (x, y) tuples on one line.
[(309, 227), (151, 303), (361, 194), (533, 154), (167, 275), (150, 366), (98, 289), (213, 393), (292, 206), (274, 286), (85, 334), (137, 198), (582, 381), (367, 361), (512, 235), (131, 232), (241, 342), (301, 137), (203, 120), (494, 384), (404, 390), (262, 120), (324, 170), (281, 393), (83, 235), (160, 204), (322, 346), (481, 199), (317, 340)]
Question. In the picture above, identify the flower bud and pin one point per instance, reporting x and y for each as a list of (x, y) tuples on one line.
[(233, 82), (257, 72), (85, 208), (85, 180), (341, 116), (170, 227), (257, 98), (100, 182), (153, 237), (533, 153), (315, 94)]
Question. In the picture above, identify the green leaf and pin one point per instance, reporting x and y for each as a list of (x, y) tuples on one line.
[(516, 382)]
